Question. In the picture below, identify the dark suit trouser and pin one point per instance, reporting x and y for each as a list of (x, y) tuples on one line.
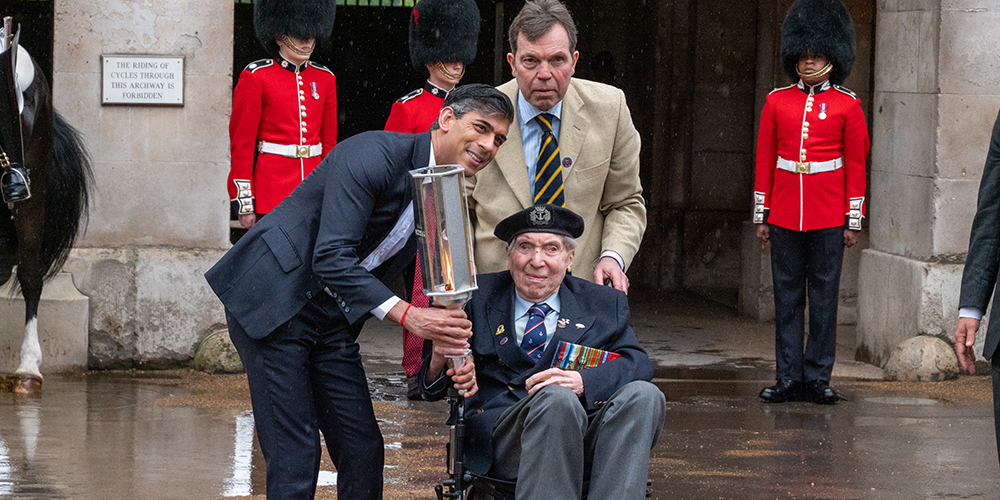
[(549, 444), (304, 377), (995, 372), (806, 262)]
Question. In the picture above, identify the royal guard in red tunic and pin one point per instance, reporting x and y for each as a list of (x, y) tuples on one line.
[(284, 118), (443, 39), (809, 193)]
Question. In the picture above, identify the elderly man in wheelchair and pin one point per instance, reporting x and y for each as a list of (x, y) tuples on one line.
[(558, 397)]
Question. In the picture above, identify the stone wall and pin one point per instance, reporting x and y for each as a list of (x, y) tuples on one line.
[(936, 97), (159, 216)]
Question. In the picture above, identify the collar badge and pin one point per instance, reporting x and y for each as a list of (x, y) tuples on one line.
[(563, 322)]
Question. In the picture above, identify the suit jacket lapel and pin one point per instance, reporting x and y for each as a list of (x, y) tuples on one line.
[(510, 158), (501, 321), (573, 130)]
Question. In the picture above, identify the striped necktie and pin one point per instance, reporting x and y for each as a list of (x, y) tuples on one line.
[(535, 335), (548, 172)]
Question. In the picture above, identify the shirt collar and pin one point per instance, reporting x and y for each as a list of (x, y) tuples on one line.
[(521, 306), (284, 63), (819, 87), (526, 112), (435, 90)]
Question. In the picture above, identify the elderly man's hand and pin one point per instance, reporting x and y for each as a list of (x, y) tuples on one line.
[(608, 269), (558, 376), (464, 377), (965, 338), (450, 328)]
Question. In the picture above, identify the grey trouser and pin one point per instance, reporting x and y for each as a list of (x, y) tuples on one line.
[(547, 442)]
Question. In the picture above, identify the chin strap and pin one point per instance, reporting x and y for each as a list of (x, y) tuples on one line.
[(817, 74), (287, 42), (448, 74)]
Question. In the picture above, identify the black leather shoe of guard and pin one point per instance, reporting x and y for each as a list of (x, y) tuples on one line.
[(820, 392), (784, 390)]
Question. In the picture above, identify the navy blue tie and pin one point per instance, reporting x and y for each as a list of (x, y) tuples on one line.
[(533, 342)]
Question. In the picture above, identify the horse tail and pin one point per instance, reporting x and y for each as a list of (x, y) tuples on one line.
[(67, 195)]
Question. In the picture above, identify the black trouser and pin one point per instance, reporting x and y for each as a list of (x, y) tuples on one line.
[(995, 372), (806, 262), (306, 376)]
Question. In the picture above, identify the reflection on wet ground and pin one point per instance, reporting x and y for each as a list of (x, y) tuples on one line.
[(886, 441), (112, 436), (102, 437)]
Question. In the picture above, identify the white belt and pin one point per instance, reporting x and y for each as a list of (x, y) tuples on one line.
[(290, 150), (810, 167)]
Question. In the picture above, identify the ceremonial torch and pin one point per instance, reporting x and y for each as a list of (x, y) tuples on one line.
[(444, 234), (444, 247)]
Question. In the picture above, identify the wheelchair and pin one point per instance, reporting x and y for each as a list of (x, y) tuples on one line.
[(463, 484)]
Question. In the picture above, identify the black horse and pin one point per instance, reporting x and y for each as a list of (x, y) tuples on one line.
[(36, 234)]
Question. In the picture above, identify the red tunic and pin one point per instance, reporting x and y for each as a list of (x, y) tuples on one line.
[(802, 124), (282, 104), (415, 112)]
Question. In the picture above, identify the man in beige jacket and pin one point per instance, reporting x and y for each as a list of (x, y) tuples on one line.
[(591, 152)]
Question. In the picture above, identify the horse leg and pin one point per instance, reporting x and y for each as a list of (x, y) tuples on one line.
[(29, 377), (27, 217)]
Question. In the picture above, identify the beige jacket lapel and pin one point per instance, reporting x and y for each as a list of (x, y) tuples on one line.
[(510, 158), (572, 130)]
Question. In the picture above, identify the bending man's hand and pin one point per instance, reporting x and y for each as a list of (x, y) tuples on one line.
[(558, 376), (449, 328), (965, 338), (608, 269)]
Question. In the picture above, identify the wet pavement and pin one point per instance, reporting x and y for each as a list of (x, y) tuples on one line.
[(179, 434)]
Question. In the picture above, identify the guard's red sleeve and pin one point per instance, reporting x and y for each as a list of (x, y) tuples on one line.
[(328, 130), (856, 148), (399, 119), (767, 160), (243, 125)]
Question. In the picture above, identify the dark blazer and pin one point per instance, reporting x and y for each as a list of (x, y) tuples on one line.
[(593, 315), (982, 263), (318, 236)]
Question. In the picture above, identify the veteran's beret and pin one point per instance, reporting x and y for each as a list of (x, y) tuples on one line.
[(540, 219)]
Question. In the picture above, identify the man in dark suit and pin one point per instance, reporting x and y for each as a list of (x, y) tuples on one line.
[(550, 427), (299, 286), (979, 279)]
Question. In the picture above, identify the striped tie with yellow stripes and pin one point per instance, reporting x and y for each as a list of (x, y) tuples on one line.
[(548, 173)]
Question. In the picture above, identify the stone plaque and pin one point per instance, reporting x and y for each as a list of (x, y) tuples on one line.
[(142, 80)]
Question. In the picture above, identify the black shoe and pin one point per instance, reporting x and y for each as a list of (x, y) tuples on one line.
[(14, 185), (784, 390), (413, 389), (820, 392)]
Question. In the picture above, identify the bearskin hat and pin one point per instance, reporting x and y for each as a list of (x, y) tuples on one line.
[(445, 31), (820, 27), (302, 19)]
